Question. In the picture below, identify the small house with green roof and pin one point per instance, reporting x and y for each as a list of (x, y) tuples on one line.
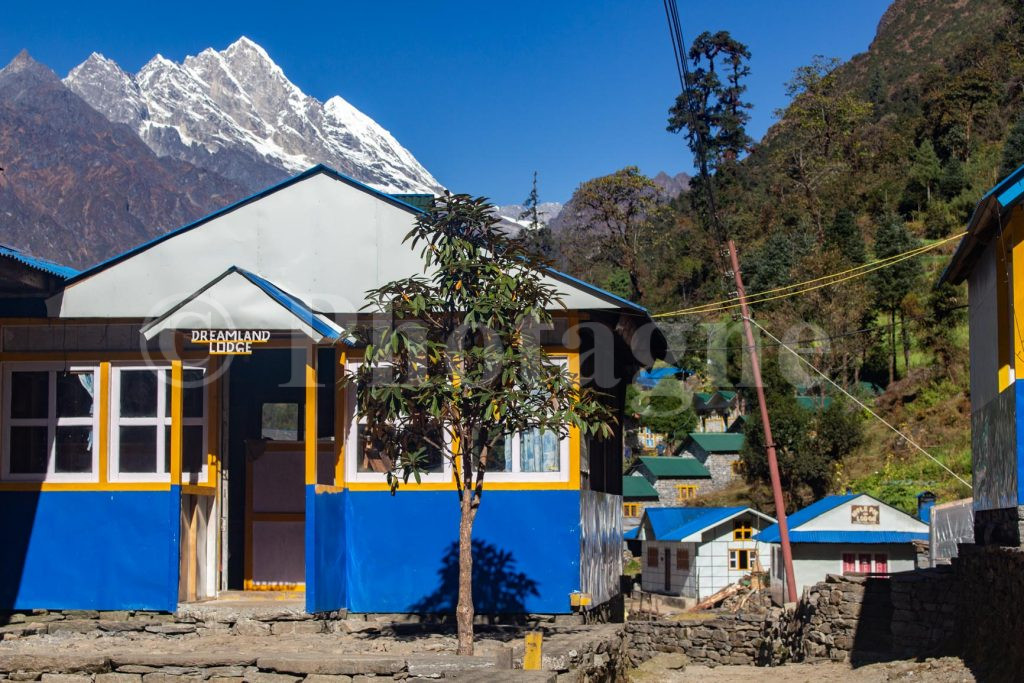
[(716, 411), (718, 452), (675, 479)]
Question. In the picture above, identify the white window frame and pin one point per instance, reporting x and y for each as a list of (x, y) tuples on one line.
[(161, 421), (51, 422), (445, 475)]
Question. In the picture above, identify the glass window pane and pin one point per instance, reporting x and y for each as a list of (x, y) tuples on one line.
[(500, 459), (280, 421), (138, 449), (193, 449), (433, 459), (538, 452), (75, 393), (193, 393), (29, 450), (368, 457), (138, 393), (30, 394), (74, 449)]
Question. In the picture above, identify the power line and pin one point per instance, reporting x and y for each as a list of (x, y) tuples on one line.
[(861, 404), (849, 274)]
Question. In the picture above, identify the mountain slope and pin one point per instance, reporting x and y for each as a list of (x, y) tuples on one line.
[(77, 188), (236, 113)]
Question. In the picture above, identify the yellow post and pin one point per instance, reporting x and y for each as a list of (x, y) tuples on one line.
[(533, 657), (104, 413), (176, 414), (311, 431)]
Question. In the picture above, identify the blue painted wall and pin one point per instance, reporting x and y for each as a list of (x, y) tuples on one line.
[(326, 551), (89, 549), (403, 553)]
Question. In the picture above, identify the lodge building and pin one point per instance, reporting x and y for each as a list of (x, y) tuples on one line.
[(143, 463)]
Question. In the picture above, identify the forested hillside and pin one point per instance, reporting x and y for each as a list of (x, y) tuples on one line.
[(871, 158)]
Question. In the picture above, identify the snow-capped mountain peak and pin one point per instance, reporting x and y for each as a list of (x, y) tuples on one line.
[(235, 112)]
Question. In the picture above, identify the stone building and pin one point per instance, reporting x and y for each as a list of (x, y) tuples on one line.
[(717, 411), (677, 479), (719, 452)]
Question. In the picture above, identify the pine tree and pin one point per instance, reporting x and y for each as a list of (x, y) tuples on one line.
[(530, 207), (893, 283), (953, 180), (926, 169), (539, 239), (844, 235), (1013, 149)]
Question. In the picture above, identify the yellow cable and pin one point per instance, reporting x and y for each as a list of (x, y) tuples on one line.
[(760, 297)]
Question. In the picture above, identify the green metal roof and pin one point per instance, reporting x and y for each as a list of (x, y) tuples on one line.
[(675, 467), (637, 487), (814, 402), (718, 442)]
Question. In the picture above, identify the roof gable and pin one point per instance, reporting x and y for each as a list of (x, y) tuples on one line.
[(828, 521), (635, 486), (675, 467), (686, 524), (321, 236)]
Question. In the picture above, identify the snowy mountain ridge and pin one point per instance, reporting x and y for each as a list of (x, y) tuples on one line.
[(235, 112)]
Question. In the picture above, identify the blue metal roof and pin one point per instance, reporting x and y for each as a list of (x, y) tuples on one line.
[(42, 264), (631, 534), (297, 307), (818, 508), (771, 535), (605, 294), (677, 523)]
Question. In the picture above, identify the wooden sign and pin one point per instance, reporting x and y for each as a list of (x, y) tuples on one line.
[(230, 342), (864, 514)]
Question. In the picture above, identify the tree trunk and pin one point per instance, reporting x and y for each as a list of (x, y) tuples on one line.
[(906, 343), (464, 611), (892, 345)]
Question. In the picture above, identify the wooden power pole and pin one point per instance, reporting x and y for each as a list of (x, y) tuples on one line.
[(773, 462)]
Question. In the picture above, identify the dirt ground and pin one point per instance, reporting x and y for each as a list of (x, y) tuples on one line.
[(945, 670)]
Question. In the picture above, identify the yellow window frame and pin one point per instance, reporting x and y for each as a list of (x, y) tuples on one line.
[(685, 492)]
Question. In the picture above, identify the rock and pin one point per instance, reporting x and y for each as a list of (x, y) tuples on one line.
[(348, 665), (174, 629), (439, 666), (326, 678), (251, 627), (352, 626), (69, 626), (66, 678), (294, 627), (118, 678), (54, 663), (186, 660), (256, 676)]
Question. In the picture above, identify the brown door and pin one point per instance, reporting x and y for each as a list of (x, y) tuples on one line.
[(668, 570)]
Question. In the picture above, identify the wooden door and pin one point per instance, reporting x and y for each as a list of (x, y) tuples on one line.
[(668, 570)]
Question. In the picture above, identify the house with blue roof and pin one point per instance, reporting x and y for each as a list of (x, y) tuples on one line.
[(844, 534), (694, 552), (174, 426)]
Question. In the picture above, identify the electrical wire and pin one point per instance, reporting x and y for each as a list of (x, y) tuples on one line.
[(861, 404), (832, 279)]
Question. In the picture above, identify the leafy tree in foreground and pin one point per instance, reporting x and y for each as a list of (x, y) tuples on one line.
[(459, 366)]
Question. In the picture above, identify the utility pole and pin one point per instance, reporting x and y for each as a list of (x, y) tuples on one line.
[(773, 462)]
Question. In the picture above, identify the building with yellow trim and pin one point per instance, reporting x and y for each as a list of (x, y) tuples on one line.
[(990, 258), (144, 462)]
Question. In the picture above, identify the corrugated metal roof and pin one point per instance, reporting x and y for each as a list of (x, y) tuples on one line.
[(634, 486), (675, 467), (771, 535), (681, 523), (814, 402), (719, 442), (42, 264), (631, 534)]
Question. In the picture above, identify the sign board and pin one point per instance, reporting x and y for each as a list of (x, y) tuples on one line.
[(230, 342), (864, 514)]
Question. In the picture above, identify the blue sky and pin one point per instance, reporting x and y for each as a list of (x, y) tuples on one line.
[(482, 93)]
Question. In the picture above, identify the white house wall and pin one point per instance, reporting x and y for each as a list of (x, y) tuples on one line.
[(812, 562), (839, 519), (320, 239)]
